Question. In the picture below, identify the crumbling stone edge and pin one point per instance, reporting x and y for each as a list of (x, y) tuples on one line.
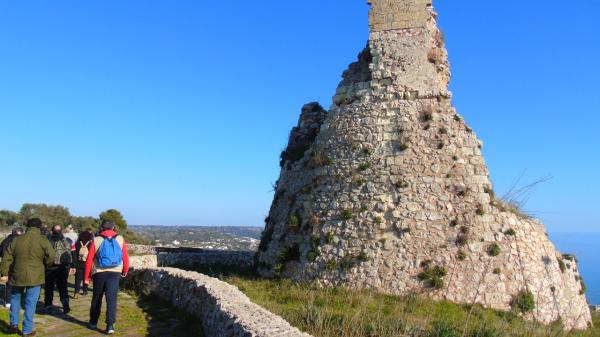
[(222, 308)]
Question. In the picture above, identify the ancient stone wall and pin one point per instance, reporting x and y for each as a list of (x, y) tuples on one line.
[(222, 309), (398, 14), (393, 193), (190, 257)]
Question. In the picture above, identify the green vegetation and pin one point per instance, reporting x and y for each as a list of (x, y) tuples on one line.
[(360, 181), (494, 250), (339, 312), (401, 184), (329, 237), (524, 302), (350, 313), (433, 277), (347, 214), (294, 221), (364, 166), (480, 210), (497, 271), (60, 215), (510, 232), (461, 255), (562, 266)]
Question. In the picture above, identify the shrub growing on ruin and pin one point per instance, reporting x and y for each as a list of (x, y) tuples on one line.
[(461, 255), (348, 262), (265, 239), (347, 214), (510, 232), (363, 257), (360, 181), (364, 166), (569, 257), (462, 239), (378, 220), (562, 266), (480, 210), (524, 302), (329, 237), (288, 254), (427, 114), (331, 265), (497, 271), (494, 250), (432, 276), (401, 184), (583, 287), (313, 253), (294, 221)]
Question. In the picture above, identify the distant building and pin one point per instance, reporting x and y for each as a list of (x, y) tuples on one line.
[(594, 308)]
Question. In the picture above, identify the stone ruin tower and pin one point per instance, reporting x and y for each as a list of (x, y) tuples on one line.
[(388, 189)]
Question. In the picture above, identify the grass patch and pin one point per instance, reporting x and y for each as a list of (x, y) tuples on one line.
[(336, 312)]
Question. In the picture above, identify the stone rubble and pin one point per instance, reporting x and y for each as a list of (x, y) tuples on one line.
[(388, 189)]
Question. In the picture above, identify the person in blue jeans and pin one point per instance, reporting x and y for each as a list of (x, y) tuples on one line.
[(23, 267)]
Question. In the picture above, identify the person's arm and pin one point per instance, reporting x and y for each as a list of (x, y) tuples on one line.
[(49, 253), (7, 259), (125, 259), (89, 262)]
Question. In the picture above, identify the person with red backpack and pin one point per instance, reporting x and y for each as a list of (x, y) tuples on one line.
[(106, 263), (80, 255)]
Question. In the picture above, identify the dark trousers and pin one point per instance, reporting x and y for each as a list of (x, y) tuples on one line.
[(56, 276), (105, 283), (7, 291), (79, 284)]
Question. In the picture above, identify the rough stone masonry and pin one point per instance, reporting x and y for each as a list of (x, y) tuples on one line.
[(388, 190)]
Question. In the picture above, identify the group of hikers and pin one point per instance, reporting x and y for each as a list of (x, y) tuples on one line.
[(38, 256)]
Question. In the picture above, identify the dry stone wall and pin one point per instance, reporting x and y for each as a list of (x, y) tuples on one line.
[(392, 192), (190, 257), (398, 14), (223, 310)]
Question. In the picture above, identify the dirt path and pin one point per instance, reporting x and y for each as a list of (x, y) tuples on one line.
[(135, 317)]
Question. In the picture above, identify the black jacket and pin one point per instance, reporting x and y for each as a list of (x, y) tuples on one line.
[(5, 243)]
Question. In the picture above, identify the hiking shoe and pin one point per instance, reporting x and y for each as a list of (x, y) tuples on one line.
[(31, 334), (110, 329), (93, 326), (48, 310), (66, 308), (7, 305), (14, 329)]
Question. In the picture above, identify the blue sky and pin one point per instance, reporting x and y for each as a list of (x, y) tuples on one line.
[(176, 112)]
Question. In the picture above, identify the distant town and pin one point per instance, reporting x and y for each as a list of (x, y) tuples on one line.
[(221, 238)]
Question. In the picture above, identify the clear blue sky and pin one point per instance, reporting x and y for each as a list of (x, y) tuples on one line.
[(175, 112)]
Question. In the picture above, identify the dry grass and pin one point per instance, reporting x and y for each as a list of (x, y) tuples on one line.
[(345, 313)]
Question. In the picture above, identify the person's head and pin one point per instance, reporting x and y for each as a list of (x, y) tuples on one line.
[(56, 229), (18, 231), (34, 223), (69, 229), (107, 225)]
